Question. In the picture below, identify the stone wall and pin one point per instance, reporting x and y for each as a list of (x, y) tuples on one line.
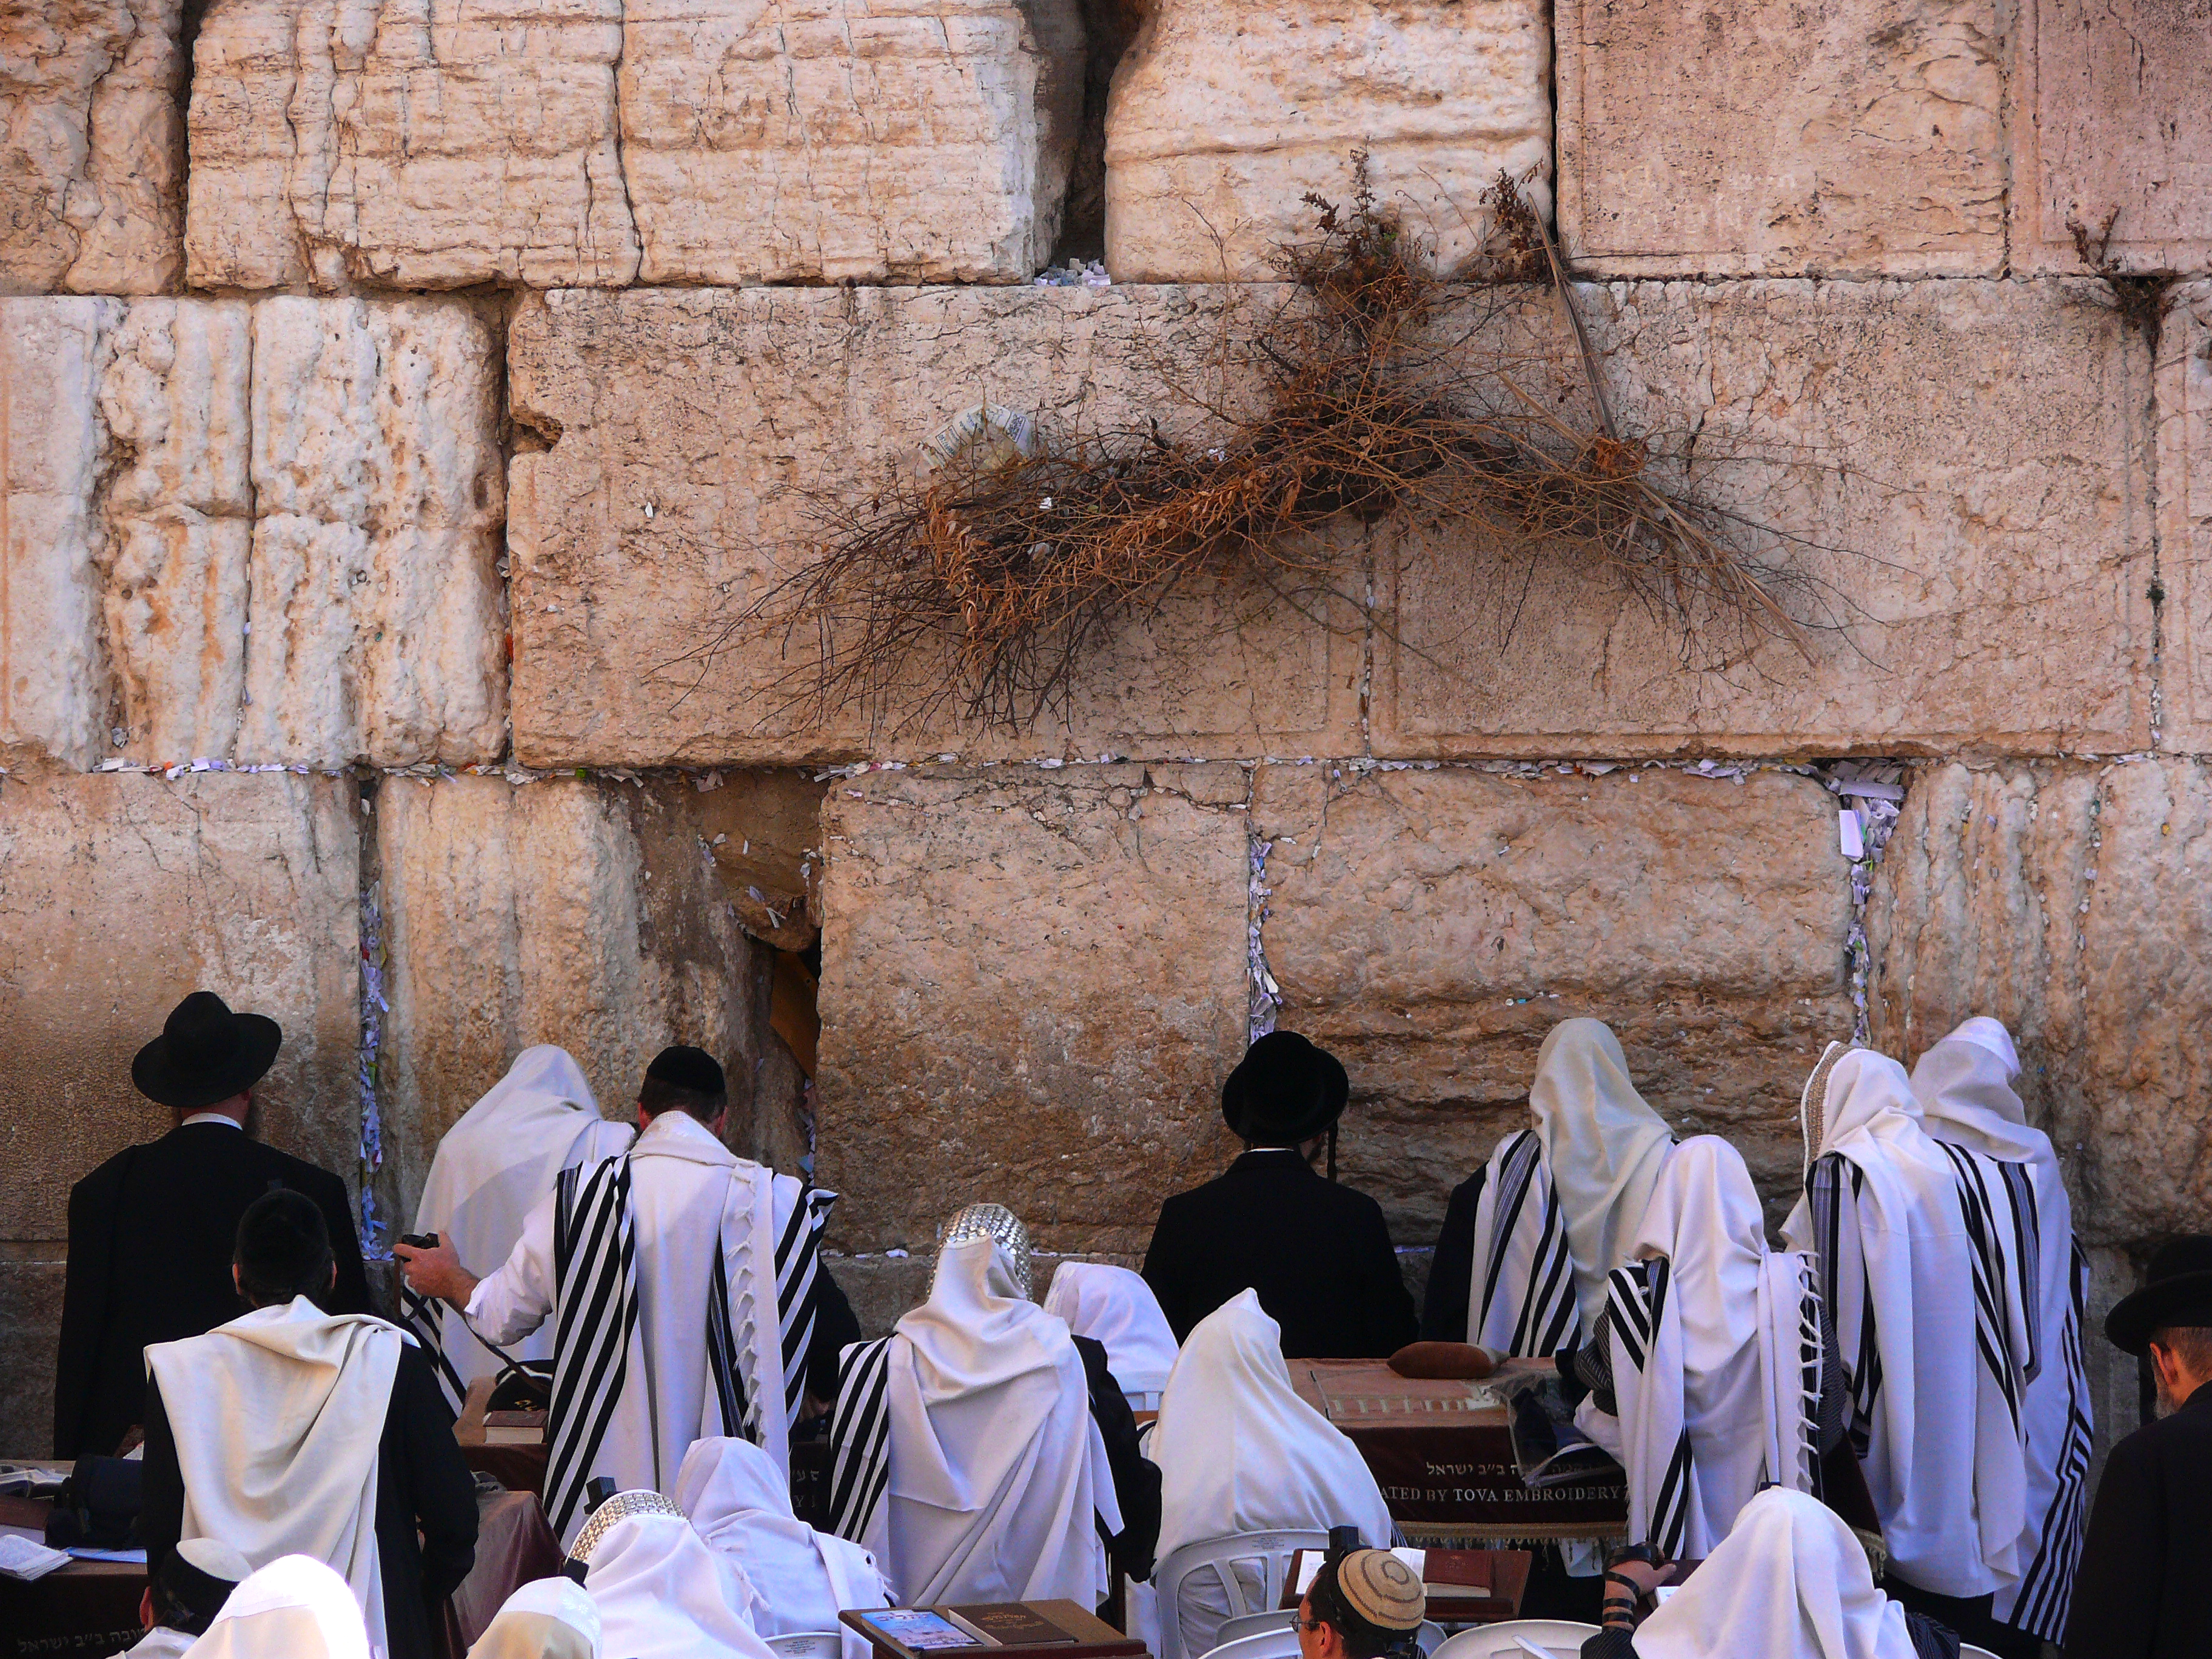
[(397, 400)]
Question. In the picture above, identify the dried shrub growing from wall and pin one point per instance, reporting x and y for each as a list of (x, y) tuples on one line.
[(1382, 391)]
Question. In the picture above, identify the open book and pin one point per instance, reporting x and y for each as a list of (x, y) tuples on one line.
[(1547, 1448)]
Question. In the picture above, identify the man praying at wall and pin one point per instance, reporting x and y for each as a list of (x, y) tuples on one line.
[(685, 1291)]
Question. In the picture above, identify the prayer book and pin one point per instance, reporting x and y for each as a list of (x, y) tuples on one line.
[(515, 1428), (916, 1628), (19, 1558), (1010, 1625), (1445, 1575)]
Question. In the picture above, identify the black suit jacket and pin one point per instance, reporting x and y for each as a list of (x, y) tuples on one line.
[(1136, 1477), (1451, 1270), (421, 1482), (151, 1233), (2146, 1573), (1318, 1254)]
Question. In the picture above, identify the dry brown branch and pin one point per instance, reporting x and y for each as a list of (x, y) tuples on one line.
[(988, 581)]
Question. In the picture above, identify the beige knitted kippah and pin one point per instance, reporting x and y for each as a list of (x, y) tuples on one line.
[(1381, 1589)]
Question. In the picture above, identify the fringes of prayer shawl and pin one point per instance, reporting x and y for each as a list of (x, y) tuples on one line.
[(595, 1316), (2041, 1601), (1522, 1289), (859, 1439), (1848, 1298)]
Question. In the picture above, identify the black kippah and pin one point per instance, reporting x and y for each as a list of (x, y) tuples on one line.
[(689, 1068)]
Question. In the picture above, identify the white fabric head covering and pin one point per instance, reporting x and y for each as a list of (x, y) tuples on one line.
[(1116, 1307), (1725, 1368), (1944, 1462), (295, 1607), (1790, 1582), (662, 1594), (739, 1502), (496, 1162), (546, 1618), (997, 1467), (1964, 1082), (277, 1418), (1603, 1146)]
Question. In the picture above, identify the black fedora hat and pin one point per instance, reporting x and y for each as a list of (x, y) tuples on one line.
[(1283, 1090), (205, 1053), (2177, 1291)]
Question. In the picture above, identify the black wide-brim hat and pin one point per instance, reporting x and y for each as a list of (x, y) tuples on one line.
[(1283, 1090), (205, 1053), (2177, 1291)]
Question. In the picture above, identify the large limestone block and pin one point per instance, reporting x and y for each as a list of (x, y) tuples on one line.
[(91, 180), (1431, 927), (1959, 469), (2109, 133), (30, 1345), (1033, 984), (695, 437), (848, 140), (2066, 900), (262, 533), (2184, 509), (1846, 137), (409, 144), (586, 914), (119, 895), (1223, 117)]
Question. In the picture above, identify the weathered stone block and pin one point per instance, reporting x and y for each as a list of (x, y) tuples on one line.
[(2184, 515), (1223, 117), (120, 894), (30, 1334), (848, 140), (91, 178), (2066, 900), (1951, 469), (414, 143), (2108, 128), (1430, 927), (697, 437), (262, 533), (1032, 986), (1847, 137), (583, 913)]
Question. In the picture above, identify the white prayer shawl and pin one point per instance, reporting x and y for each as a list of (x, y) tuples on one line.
[(1790, 1582), (1520, 1293), (491, 1169), (158, 1643), (1964, 1087), (1716, 1355), (681, 1283), (1928, 1323), (1603, 1149), (740, 1503), (295, 1607), (662, 1594), (277, 1418), (966, 1458), (545, 1618), (1114, 1307), (1239, 1451)]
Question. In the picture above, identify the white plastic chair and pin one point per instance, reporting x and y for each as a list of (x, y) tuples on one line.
[(1261, 1624), (1968, 1650), (807, 1644), (1518, 1638), (1268, 1553), (1267, 1644)]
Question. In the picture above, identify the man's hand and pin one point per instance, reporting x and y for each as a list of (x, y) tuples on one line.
[(436, 1272)]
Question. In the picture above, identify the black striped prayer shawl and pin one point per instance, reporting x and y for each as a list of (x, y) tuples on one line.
[(1522, 1299)]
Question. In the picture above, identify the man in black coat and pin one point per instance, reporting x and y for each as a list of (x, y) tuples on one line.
[(151, 1230), (2144, 1588), (423, 1487), (1318, 1254)]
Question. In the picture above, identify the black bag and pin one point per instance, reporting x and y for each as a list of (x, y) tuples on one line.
[(525, 1386), (98, 1505)]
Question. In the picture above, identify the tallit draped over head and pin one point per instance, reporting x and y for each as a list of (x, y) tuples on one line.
[(1114, 1307), (295, 1607), (1790, 1582), (662, 1594), (277, 1417), (966, 1459), (1716, 1355), (546, 1618), (490, 1169), (739, 1504), (1603, 1149), (1929, 1320), (1964, 1087)]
